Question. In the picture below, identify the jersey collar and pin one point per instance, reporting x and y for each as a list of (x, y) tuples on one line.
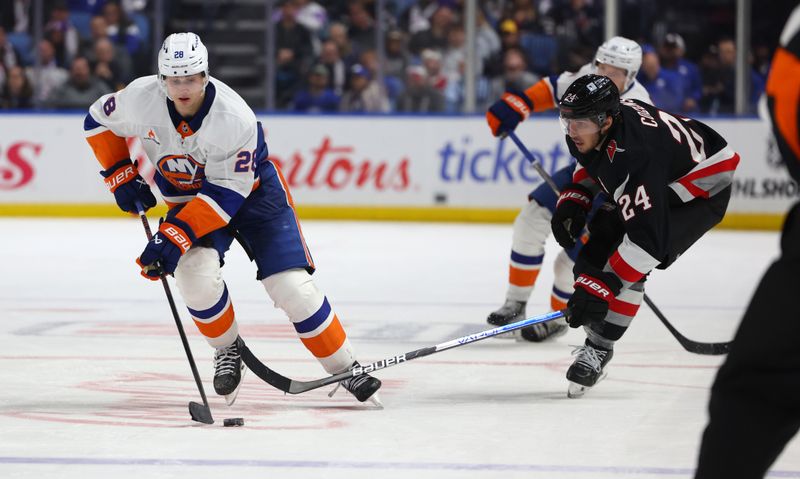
[(187, 127)]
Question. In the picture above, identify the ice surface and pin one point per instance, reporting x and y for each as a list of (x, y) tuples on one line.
[(96, 384)]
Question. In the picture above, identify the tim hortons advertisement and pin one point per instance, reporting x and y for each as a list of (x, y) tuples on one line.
[(366, 161)]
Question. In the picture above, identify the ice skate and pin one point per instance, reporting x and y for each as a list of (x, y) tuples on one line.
[(364, 387), (588, 368), (539, 332), (511, 312), (228, 372)]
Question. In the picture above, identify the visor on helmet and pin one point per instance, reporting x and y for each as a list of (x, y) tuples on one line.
[(579, 126)]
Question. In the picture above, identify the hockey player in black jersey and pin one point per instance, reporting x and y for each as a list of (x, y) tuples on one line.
[(669, 178)]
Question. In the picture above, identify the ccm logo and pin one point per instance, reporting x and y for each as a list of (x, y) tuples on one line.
[(178, 237), (518, 104), (121, 177), (593, 285)]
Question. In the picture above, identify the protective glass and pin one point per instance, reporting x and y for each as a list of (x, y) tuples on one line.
[(578, 126)]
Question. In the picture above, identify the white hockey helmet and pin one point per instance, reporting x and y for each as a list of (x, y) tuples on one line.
[(622, 53), (182, 54)]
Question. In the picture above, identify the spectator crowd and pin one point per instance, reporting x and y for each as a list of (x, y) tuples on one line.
[(326, 57)]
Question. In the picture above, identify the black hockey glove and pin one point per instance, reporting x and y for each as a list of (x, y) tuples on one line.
[(594, 291), (124, 181), (570, 216)]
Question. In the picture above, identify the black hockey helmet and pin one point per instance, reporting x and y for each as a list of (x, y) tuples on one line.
[(590, 96)]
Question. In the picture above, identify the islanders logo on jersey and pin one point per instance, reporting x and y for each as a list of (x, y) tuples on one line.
[(182, 171)]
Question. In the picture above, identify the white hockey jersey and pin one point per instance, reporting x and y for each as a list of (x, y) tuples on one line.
[(546, 93), (207, 161)]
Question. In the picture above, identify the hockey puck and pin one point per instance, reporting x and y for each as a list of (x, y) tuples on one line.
[(233, 422)]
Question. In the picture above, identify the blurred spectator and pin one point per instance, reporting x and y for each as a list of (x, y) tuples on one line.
[(364, 95), (317, 97), (292, 40), (17, 92), (49, 76), (726, 49), (515, 75), (526, 17), (362, 28), (111, 67), (337, 70), (369, 59), (311, 15), (487, 42), (8, 56), (417, 17), (81, 90), (727, 71), (338, 34), (671, 56), (454, 55), (15, 15), (664, 86), (432, 62), (434, 37), (62, 34), (578, 21), (98, 28), (397, 58), (419, 96), (711, 74), (509, 38), (121, 30)]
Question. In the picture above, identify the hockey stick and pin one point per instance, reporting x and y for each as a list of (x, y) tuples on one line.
[(292, 386), (712, 349), (199, 412)]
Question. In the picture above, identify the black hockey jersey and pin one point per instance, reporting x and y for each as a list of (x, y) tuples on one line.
[(649, 162)]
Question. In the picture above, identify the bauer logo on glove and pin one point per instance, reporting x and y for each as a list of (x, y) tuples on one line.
[(162, 253)]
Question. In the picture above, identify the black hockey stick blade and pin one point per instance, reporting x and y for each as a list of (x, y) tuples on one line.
[(200, 413), (292, 386), (696, 347)]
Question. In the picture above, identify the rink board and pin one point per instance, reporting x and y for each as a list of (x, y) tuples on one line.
[(417, 168)]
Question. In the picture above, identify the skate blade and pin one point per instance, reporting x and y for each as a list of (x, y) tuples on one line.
[(231, 398), (575, 390), (376, 401)]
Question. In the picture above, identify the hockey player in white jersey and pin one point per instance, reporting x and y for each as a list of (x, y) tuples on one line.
[(212, 170), (619, 59)]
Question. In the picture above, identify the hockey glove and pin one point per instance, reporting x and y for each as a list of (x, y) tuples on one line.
[(569, 217), (506, 113), (124, 181), (594, 291), (162, 253)]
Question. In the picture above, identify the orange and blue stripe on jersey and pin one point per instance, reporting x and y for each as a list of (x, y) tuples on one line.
[(321, 333), (215, 321), (211, 209), (523, 270), (109, 149)]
